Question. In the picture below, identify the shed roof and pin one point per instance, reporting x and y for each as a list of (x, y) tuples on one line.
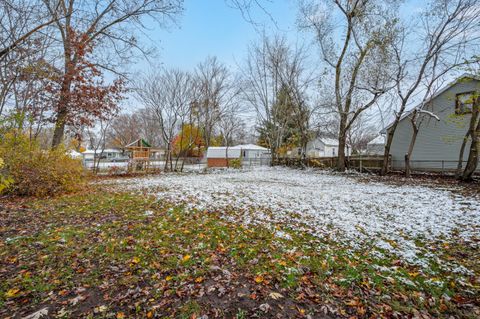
[(139, 143), (379, 140), (251, 147), (329, 141)]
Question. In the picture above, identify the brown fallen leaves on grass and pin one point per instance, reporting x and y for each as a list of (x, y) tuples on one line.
[(117, 255)]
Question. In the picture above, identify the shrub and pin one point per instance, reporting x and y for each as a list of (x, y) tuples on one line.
[(235, 163), (5, 181), (36, 172), (116, 170)]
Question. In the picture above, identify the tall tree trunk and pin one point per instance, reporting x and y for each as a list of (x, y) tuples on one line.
[(342, 142), (273, 160), (474, 129), (388, 145), (59, 130), (167, 158), (458, 172), (64, 99), (472, 161)]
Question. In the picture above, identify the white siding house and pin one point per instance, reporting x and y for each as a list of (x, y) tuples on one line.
[(245, 151), (222, 152), (74, 154), (252, 151), (438, 142), (325, 147), (109, 154), (217, 156)]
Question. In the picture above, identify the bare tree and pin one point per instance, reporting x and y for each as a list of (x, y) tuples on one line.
[(361, 132), (126, 128), (217, 91), (19, 21), (111, 25), (229, 125), (358, 59), (168, 94), (98, 140), (444, 32), (275, 87)]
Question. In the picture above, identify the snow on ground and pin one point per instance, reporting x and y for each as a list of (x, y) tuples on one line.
[(325, 204)]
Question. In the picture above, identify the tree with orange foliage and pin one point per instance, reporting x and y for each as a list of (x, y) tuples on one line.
[(88, 97), (189, 142), (113, 26)]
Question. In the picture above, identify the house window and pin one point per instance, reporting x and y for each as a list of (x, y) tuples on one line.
[(464, 103), (333, 151)]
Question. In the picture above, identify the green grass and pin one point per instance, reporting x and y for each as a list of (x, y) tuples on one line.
[(106, 241)]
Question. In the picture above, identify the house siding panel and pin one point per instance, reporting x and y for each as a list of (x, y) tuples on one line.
[(438, 142)]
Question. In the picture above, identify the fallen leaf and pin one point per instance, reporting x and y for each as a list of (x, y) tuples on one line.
[(275, 295), (12, 292), (101, 308), (259, 279), (264, 307), (120, 315), (352, 303)]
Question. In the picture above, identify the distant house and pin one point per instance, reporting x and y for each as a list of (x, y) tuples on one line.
[(108, 155), (325, 147), (438, 143), (376, 146), (218, 156), (74, 154)]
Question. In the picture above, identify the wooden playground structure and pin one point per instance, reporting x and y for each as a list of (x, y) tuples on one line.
[(141, 155)]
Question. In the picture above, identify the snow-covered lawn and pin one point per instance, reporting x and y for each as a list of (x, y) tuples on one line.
[(334, 207)]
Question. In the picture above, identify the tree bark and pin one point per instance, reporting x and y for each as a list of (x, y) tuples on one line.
[(388, 144), (342, 141), (62, 106), (474, 130), (407, 165), (59, 130), (458, 172), (472, 161)]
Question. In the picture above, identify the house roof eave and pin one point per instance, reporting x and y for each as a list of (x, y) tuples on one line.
[(441, 91)]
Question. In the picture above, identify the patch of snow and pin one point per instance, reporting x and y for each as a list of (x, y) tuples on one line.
[(282, 234), (326, 205), (38, 314), (148, 213)]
